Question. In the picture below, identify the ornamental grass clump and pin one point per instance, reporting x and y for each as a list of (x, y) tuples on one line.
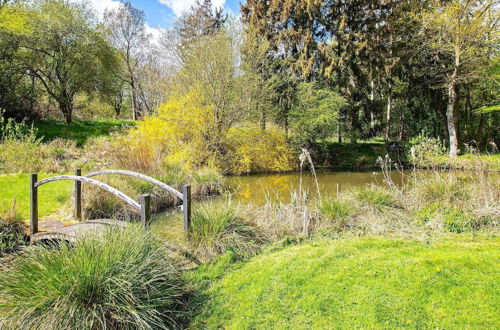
[(119, 279), (218, 226)]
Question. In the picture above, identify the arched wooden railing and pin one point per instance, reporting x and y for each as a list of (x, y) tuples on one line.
[(143, 206), (139, 176), (185, 196)]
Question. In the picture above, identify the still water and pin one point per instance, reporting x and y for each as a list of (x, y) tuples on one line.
[(257, 189)]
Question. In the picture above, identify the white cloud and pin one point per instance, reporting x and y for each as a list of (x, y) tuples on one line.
[(155, 33), (181, 6), (102, 5)]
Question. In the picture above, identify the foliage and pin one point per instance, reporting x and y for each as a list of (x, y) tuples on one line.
[(120, 279), (173, 138), (314, 117), (361, 283), (425, 149), (255, 151), (64, 49)]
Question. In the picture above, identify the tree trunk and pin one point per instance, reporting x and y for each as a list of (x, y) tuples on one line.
[(480, 129), (389, 110), (450, 119), (372, 106), (67, 111), (339, 132), (65, 101), (450, 107), (134, 104), (263, 119)]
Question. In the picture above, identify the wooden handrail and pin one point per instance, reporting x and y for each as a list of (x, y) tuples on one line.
[(99, 184), (139, 176)]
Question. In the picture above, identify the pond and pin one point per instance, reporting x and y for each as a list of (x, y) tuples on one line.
[(257, 189)]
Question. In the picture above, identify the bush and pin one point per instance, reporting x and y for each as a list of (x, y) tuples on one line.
[(169, 139), (425, 150), (254, 150), (120, 279), (217, 227)]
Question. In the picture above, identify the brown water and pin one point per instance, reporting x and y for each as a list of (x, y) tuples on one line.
[(257, 189)]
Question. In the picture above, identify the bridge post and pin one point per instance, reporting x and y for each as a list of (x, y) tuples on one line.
[(33, 204), (77, 195), (145, 209), (186, 207)]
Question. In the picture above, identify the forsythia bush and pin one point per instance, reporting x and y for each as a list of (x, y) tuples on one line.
[(255, 150), (186, 134)]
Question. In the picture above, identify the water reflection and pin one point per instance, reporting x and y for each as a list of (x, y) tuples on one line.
[(256, 189)]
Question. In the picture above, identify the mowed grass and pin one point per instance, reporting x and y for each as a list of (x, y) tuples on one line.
[(361, 283), (79, 130), (51, 197)]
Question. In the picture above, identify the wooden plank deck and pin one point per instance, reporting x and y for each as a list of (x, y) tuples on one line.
[(72, 232)]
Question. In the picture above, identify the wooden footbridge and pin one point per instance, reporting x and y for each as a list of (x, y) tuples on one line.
[(72, 232)]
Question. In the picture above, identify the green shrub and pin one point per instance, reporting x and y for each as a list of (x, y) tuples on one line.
[(217, 227), (120, 279)]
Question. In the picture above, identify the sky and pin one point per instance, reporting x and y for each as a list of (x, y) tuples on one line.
[(161, 13)]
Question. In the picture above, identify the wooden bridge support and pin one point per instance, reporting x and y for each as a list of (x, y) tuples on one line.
[(145, 209), (77, 195), (33, 204), (186, 207)]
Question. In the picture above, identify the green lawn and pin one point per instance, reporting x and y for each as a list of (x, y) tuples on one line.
[(360, 283), (51, 197), (80, 130)]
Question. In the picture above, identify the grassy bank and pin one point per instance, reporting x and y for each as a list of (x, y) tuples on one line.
[(462, 162), (79, 131), (360, 283)]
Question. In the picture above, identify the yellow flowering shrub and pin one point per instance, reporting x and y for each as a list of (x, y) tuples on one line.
[(254, 150), (185, 135)]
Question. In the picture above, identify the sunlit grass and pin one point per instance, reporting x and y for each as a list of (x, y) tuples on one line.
[(359, 283), (79, 130), (51, 197)]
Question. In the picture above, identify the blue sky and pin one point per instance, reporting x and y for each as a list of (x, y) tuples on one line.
[(161, 13)]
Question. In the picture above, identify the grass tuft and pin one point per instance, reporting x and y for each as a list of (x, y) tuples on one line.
[(119, 279), (374, 196), (217, 227)]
